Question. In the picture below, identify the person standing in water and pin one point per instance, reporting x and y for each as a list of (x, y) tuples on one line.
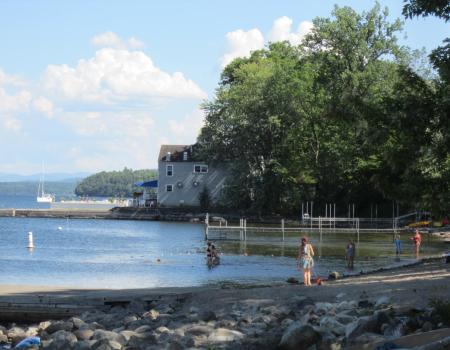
[(417, 239), (306, 261), (350, 253), (398, 244)]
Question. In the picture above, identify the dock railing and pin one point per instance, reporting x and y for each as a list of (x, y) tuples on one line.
[(221, 230)]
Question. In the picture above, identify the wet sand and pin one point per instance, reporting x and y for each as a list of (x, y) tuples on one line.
[(412, 285)]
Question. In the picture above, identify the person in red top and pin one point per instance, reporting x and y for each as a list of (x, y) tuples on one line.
[(445, 221), (417, 239)]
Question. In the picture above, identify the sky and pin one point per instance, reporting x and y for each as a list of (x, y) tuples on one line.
[(93, 85)]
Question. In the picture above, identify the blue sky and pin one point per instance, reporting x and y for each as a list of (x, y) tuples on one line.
[(99, 85)]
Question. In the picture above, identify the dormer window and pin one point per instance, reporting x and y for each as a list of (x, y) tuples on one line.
[(185, 155), (168, 157)]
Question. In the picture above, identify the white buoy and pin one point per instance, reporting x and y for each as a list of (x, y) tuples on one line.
[(59, 228), (30, 240)]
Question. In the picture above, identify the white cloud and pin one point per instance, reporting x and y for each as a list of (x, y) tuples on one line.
[(281, 31), (43, 105), (112, 40), (6, 79), (115, 76), (187, 129), (13, 98), (241, 43), (12, 123)]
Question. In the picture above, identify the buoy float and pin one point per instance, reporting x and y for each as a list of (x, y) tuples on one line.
[(30, 240)]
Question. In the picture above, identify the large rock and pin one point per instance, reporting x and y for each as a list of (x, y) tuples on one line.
[(331, 325), (101, 334), (77, 322), (299, 337), (199, 330), (323, 308), (3, 338), (84, 334), (367, 324), (61, 340), (141, 340), (207, 315), (143, 329), (130, 318), (82, 345), (225, 335), (127, 334), (152, 314), (16, 334), (105, 344), (59, 326), (175, 345)]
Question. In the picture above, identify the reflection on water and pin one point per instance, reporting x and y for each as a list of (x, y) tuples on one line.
[(133, 254)]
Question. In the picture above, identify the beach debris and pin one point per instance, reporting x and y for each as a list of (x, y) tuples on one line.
[(334, 275), (292, 280), (27, 342)]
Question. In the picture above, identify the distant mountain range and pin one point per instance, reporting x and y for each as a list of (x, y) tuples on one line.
[(54, 177)]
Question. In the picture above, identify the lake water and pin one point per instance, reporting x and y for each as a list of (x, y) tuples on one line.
[(125, 253)]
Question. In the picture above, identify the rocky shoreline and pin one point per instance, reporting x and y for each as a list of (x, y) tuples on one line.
[(299, 323)]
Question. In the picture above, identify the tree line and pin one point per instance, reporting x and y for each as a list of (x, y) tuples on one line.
[(114, 183), (348, 116)]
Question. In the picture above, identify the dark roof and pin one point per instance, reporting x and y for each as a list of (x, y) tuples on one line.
[(176, 152)]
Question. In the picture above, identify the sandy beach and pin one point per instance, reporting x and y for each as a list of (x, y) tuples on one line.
[(413, 285)]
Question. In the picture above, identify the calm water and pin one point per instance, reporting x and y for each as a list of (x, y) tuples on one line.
[(124, 254)]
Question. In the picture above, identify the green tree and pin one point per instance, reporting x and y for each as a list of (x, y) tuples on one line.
[(113, 183)]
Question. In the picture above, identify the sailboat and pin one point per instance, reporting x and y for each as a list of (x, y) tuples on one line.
[(43, 197)]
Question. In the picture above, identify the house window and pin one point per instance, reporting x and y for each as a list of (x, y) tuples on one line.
[(185, 155), (169, 188), (200, 169), (169, 170)]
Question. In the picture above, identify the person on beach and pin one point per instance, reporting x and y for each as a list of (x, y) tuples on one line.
[(305, 260), (209, 250), (398, 244), (212, 254), (350, 253), (417, 239)]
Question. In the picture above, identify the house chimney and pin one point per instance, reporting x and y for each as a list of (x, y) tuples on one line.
[(168, 157)]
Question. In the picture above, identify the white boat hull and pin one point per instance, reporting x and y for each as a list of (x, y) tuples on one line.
[(45, 199)]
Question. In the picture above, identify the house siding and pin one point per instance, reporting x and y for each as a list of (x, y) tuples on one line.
[(188, 194)]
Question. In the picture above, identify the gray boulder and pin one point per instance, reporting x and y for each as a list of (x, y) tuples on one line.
[(101, 334), (225, 335), (331, 325), (77, 322), (84, 334), (142, 340), (299, 337), (59, 326), (199, 330), (105, 344), (16, 334), (62, 340), (207, 315), (82, 345)]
